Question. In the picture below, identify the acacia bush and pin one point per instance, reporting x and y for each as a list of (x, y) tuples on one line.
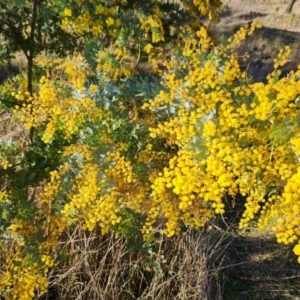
[(132, 152)]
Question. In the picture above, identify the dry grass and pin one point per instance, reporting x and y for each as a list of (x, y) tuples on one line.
[(211, 264), (12, 130), (184, 267)]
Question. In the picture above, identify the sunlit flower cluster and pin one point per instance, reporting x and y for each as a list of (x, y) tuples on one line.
[(244, 138), (112, 67), (285, 209), (106, 20), (206, 133), (153, 23), (59, 111), (147, 27), (26, 278), (210, 8), (175, 195)]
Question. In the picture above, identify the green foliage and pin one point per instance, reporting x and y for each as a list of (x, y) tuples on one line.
[(120, 148), (19, 21)]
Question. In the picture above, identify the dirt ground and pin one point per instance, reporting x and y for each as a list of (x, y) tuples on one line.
[(270, 13), (280, 29)]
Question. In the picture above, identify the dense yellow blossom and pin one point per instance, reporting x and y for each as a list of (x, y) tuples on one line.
[(61, 113), (236, 154), (208, 133), (213, 115), (68, 12)]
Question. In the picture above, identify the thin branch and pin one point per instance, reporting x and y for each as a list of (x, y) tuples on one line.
[(290, 6)]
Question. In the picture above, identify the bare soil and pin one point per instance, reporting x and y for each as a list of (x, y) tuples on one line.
[(279, 30), (270, 13)]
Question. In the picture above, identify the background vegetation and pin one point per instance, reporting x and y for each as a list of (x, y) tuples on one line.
[(146, 151)]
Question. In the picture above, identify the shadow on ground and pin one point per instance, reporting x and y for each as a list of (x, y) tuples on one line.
[(263, 46), (255, 266), (8, 71), (260, 269)]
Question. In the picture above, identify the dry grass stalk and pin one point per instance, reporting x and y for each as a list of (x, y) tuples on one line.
[(102, 267)]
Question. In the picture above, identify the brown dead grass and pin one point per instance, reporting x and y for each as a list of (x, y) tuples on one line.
[(11, 129), (211, 264), (102, 267)]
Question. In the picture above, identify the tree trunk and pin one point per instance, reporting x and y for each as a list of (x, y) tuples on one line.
[(31, 55)]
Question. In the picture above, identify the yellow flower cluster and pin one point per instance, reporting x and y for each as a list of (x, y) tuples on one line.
[(76, 70), (101, 20), (204, 40), (153, 23), (84, 151), (22, 276), (178, 130), (26, 279), (68, 12), (121, 172), (285, 210), (3, 196), (295, 142), (150, 156), (4, 163), (211, 136), (297, 251), (129, 190), (176, 195), (242, 33), (49, 104), (243, 142), (281, 59), (83, 196), (112, 67), (92, 199), (211, 8), (93, 88)]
